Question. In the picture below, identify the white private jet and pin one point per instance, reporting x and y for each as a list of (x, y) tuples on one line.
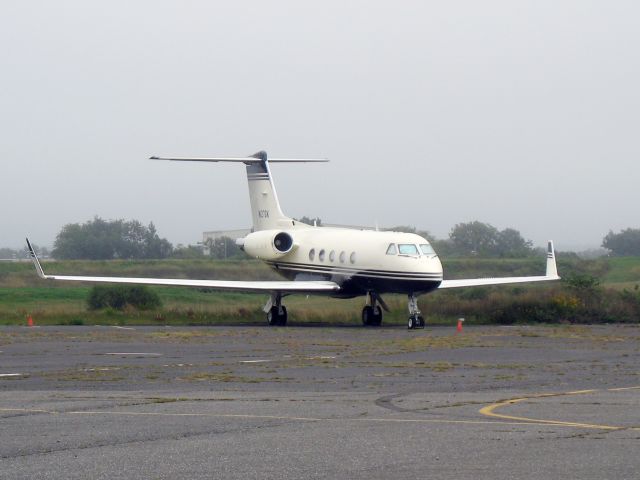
[(339, 262)]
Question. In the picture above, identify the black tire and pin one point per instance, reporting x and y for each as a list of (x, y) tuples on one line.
[(367, 315), (275, 318), (377, 316), (283, 317), (411, 324), (421, 322)]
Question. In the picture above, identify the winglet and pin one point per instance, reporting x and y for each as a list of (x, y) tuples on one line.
[(552, 269), (36, 262)]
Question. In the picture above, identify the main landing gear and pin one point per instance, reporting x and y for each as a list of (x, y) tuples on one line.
[(276, 312), (372, 312), (416, 320)]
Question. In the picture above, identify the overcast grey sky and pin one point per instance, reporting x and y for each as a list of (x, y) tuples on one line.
[(522, 114)]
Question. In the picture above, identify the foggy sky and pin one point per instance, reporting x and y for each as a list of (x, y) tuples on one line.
[(522, 114)]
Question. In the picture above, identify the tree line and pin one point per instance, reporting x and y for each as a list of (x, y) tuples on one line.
[(624, 243), (99, 239), (477, 239), (484, 240)]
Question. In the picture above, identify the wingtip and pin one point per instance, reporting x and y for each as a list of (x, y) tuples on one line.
[(34, 258), (552, 267), (31, 251)]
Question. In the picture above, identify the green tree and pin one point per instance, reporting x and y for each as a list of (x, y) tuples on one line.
[(474, 238), (483, 239), (223, 247), (625, 243), (154, 246), (99, 239), (511, 244)]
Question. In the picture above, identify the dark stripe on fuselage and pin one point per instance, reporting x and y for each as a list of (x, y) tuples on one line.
[(355, 271), (361, 282)]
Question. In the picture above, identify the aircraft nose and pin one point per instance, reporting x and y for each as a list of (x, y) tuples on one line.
[(432, 264)]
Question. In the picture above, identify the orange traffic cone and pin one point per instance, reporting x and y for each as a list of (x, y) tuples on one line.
[(29, 321), (459, 329)]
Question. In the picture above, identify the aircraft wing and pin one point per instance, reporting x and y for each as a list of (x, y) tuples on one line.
[(551, 274), (229, 285)]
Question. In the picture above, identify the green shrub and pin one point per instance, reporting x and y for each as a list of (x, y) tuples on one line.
[(559, 302), (118, 296)]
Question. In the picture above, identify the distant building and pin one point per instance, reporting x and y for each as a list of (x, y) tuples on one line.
[(212, 236)]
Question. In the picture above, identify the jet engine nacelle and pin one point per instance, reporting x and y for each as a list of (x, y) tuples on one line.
[(268, 244)]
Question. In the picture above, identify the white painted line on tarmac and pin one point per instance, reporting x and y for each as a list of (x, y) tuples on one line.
[(105, 369), (254, 361), (123, 328), (135, 354), (13, 375)]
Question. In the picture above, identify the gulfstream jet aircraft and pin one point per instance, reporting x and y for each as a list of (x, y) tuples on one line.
[(338, 262)]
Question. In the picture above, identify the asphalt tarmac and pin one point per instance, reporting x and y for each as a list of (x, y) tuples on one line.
[(320, 402)]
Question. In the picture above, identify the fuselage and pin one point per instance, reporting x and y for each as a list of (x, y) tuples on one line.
[(361, 261)]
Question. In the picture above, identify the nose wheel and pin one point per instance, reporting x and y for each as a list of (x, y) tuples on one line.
[(416, 320)]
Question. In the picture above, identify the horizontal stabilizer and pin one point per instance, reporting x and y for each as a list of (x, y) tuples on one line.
[(245, 160)]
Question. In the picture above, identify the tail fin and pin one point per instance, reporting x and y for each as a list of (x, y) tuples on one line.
[(265, 207)]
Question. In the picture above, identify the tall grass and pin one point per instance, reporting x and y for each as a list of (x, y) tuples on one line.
[(23, 293)]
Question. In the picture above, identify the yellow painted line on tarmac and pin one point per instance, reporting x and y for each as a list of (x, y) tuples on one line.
[(269, 417), (622, 389), (489, 410)]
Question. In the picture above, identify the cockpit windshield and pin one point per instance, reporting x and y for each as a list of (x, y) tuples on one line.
[(427, 249), (408, 249)]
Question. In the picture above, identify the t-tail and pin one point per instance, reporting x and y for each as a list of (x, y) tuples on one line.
[(265, 207)]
